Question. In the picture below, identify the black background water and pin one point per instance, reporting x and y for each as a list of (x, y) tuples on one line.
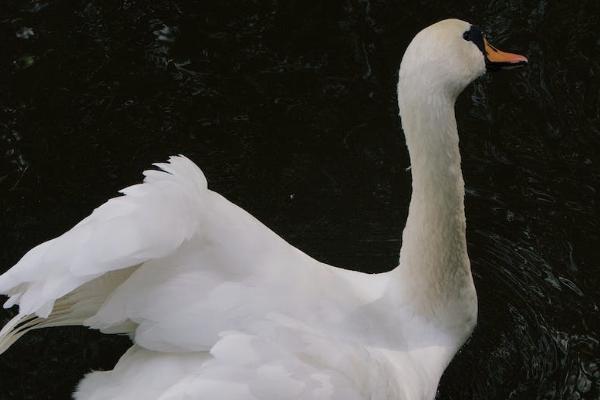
[(289, 107)]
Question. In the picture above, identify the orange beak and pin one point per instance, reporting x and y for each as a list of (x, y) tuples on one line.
[(496, 59)]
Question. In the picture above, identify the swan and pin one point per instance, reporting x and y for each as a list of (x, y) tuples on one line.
[(220, 307)]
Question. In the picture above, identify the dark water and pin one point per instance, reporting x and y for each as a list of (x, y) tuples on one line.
[(289, 107)]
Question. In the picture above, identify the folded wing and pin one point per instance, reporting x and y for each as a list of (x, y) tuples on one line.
[(173, 263)]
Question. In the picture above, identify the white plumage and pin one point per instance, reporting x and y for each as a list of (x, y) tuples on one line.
[(220, 307)]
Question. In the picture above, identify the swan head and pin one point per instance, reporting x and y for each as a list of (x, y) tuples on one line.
[(447, 56)]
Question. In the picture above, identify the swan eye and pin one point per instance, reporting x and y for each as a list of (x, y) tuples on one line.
[(475, 36)]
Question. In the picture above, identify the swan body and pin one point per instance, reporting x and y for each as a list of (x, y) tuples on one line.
[(220, 307)]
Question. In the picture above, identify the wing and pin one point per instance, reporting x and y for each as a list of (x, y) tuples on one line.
[(152, 220), (175, 264)]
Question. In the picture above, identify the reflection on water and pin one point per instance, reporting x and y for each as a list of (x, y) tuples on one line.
[(289, 107)]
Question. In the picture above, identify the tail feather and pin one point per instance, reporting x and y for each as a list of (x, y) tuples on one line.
[(72, 309), (23, 323), (10, 332)]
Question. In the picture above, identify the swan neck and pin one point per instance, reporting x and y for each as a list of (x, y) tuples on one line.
[(434, 270)]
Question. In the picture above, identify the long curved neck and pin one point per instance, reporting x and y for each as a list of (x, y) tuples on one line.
[(436, 220), (434, 268)]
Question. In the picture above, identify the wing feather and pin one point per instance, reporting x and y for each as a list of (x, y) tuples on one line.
[(150, 221)]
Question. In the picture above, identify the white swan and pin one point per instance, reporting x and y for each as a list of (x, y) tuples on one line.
[(220, 307)]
